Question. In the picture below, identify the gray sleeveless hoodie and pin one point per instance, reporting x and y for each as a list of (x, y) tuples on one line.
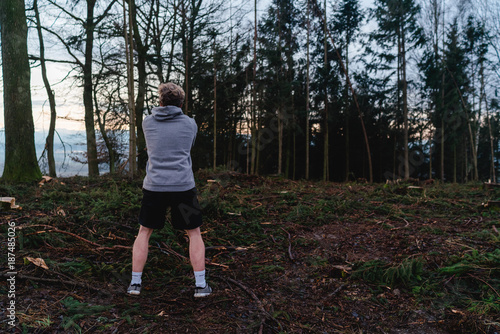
[(169, 137)]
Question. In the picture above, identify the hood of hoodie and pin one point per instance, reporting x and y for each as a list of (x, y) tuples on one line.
[(166, 113)]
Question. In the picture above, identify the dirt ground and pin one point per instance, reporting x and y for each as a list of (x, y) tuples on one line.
[(282, 256)]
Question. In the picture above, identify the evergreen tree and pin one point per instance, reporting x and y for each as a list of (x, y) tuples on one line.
[(346, 22), (476, 45), (327, 90), (279, 44), (432, 69), (397, 33), (456, 116)]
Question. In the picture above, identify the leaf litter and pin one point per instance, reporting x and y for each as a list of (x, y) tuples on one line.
[(283, 256)]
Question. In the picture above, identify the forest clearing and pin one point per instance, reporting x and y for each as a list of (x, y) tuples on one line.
[(280, 101), (283, 256)]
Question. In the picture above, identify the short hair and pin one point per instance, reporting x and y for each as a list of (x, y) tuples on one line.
[(171, 94)]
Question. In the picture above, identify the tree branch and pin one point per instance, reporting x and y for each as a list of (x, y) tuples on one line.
[(32, 57), (74, 17), (105, 13), (77, 61)]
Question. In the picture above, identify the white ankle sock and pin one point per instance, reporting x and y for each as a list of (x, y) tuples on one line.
[(136, 278), (199, 276)]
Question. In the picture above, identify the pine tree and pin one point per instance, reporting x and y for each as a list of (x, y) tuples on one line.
[(456, 116), (279, 45), (432, 70), (347, 19), (398, 32)]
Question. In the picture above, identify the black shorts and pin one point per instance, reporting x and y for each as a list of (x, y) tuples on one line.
[(184, 207)]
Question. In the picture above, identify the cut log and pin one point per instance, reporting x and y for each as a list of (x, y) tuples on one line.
[(8, 203), (420, 190), (45, 179)]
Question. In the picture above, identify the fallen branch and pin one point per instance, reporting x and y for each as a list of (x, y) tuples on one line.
[(115, 247), (260, 306), (397, 228), (259, 204), (337, 290), (228, 248), (247, 290), (54, 280), (171, 251), (184, 258), (209, 262), (55, 229), (492, 288), (289, 245)]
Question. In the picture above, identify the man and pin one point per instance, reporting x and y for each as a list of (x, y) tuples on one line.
[(169, 182)]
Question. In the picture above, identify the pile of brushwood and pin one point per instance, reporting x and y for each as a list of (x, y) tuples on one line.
[(283, 256)]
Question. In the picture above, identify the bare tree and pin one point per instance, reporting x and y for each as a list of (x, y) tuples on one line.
[(89, 24), (49, 143), (129, 53), (308, 65), (20, 154)]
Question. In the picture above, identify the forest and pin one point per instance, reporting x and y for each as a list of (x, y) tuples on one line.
[(345, 164), (334, 91)]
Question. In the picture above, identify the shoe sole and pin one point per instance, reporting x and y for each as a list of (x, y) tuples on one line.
[(134, 293), (201, 295)]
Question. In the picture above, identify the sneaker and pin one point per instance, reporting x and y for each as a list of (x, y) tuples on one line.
[(203, 292), (134, 289)]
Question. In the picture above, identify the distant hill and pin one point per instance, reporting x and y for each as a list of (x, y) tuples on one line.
[(66, 143)]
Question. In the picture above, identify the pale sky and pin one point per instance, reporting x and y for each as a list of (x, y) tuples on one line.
[(69, 99)]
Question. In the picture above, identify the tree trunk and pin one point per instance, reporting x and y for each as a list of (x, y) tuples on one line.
[(49, 143), (186, 58), (101, 123), (20, 155), (326, 165), (294, 155), (142, 54), (280, 141), (288, 153), (172, 43), (442, 100), (454, 164), (355, 99), (435, 44), (253, 125), (347, 111), (215, 110), (280, 105), (87, 92), (129, 53), (289, 143), (257, 146), (307, 91), (430, 156), (442, 148), (466, 158), (490, 131), (471, 133), (405, 107)]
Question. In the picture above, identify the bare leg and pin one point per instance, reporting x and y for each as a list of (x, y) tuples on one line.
[(140, 249), (196, 249)]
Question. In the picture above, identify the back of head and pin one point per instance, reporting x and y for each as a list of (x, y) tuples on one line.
[(171, 94)]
